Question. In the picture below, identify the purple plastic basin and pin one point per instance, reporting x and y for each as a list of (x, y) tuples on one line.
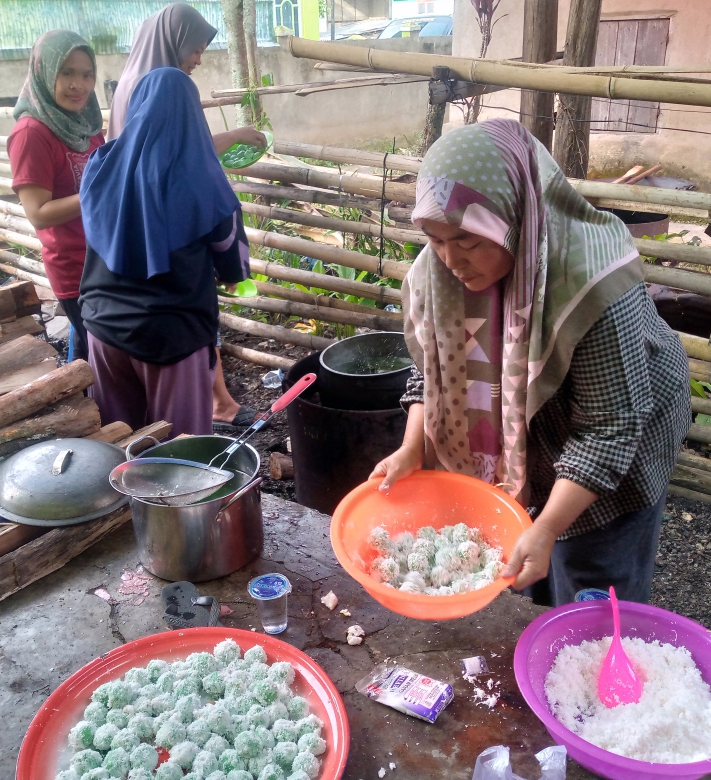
[(571, 624)]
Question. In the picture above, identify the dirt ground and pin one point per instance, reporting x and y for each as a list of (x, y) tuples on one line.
[(682, 577)]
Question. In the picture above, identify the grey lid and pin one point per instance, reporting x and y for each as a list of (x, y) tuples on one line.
[(60, 482)]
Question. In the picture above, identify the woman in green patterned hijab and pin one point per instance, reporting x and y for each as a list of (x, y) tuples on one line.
[(38, 99), (541, 362)]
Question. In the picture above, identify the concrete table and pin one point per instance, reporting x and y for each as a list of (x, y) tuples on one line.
[(52, 628)]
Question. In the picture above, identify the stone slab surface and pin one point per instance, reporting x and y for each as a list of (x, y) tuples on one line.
[(52, 628)]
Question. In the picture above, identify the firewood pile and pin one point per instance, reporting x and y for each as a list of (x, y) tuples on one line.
[(41, 401)]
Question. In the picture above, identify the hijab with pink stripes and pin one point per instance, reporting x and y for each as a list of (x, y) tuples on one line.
[(492, 359)]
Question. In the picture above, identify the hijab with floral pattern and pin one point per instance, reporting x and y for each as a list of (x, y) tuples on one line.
[(492, 359), (74, 128)]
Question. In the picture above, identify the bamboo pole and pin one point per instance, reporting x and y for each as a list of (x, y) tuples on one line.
[(308, 311), (693, 281), (700, 405), (25, 276), (18, 224), (24, 262), (21, 239), (347, 182), (692, 479), (691, 495), (510, 74), (700, 433), (700, 369), (695, 346), (699, 255), (7, 183), (631, 192), (275, 332), (255, 356), (6, 207), (330, 254), (286, 273), (341, 225), (230, 97), (396, 162), (292, 294), (694, 461), (277, 192)]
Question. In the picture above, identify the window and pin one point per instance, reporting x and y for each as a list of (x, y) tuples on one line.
[(425, 8), (629, 42)]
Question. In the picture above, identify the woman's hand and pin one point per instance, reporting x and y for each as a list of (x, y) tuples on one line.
[(242, 135), (531, 556), (398, 465)]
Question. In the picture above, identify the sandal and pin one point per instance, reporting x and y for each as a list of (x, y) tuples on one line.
[(186, 608), (241, 421)]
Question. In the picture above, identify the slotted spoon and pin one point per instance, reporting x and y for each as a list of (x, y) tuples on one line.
[(618, 682)]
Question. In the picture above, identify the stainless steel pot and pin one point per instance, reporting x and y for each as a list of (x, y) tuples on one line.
[(213, 537)]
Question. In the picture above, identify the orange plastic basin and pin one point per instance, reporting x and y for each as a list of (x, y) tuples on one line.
[(435, 498)]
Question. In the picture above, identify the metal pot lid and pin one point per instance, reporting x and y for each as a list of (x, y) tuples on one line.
[(60, 482)]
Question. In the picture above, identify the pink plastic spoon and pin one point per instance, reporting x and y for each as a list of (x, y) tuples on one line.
[(618, 683)]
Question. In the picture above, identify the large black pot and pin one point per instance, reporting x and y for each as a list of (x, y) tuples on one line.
[(335, 449), (344, 381)]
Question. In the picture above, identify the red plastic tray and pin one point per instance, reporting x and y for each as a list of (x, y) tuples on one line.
[(46, 740)]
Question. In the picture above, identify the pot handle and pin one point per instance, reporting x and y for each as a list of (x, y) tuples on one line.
[(129, 454), (244, 489)]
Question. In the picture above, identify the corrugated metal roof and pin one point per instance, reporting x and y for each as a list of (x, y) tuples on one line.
[(108, 25)]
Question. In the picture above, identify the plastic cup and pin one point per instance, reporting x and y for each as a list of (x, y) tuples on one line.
[(271, 592)]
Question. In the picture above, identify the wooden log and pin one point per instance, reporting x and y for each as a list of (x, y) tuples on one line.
[(14, 535), (434, 119), (18, 224), (283, 335), (692, 495), (694, 461), (27, 263), (700, 405), (24, 352), (281, 466), (23, 376), (13, 330), (112, 433), (308, 311), (45, 391), (400, 214), (540, 28), (595, 190), (18, 273), (72, 418), (675, 277), (292, 294), (286, 273), (255, 356), (572, 138), (18, 299), (505, 74), (700, 433), (695, 346), (158, 430), (353, 183), (331, 223), (305, 195), (397, 162), (692, 479), (21, 239), (7, 207), (54, 549), (333, 254)]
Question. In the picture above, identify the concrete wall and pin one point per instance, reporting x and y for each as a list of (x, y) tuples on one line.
[(685, 155), (350, 117)]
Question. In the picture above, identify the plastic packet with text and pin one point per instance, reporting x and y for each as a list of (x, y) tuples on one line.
[(408, 692)]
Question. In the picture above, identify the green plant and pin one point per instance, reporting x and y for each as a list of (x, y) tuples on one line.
[(250, 100), (701, 390), (693, 241)]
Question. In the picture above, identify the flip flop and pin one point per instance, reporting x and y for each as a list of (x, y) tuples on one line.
[(241, 421), (186, 608)]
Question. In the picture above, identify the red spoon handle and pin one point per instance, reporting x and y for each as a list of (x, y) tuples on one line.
[(293, 392)]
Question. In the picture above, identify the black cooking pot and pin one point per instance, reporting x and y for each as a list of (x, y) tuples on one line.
[(365, 372)]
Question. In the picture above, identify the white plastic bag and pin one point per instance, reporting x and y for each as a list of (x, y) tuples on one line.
[(494, 764)]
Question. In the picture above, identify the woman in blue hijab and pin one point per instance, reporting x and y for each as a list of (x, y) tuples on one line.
[(161, 224)]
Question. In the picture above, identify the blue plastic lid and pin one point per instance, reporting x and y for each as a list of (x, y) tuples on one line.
[(592, 594), (269, 586)]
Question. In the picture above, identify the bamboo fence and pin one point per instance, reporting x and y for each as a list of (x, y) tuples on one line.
[(312, 192)]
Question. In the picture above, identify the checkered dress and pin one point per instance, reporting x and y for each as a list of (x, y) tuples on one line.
[(617, 422)]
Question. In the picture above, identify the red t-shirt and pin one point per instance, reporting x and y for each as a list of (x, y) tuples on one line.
[(38, 157)]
